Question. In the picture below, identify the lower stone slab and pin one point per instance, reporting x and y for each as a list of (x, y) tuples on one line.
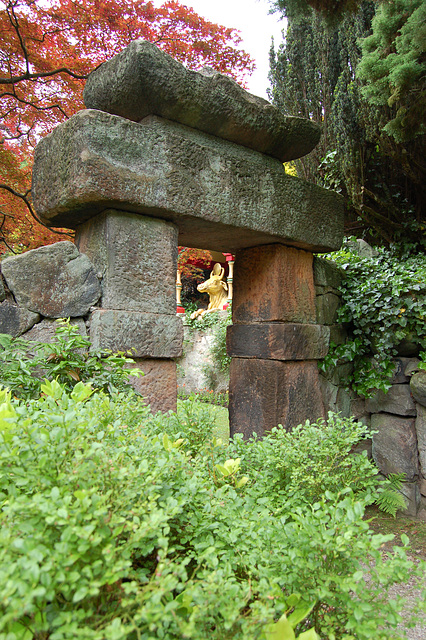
[(277, 341), (146, 335), (158, 385), (265, 393)]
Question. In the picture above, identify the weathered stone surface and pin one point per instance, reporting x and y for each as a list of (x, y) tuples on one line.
[(221, 196), (411, 493), (2, 289), (327, 274), (147, 335), (408, 348), (328, 393), (395, 445), (364, 445), (338, 334), (277, 341), (44, 331), (158, 384), (343, 402), (418, 387), (16, 320), (265, 393), (422, 487), (196, 371), (421, 436), (339, 374), (143, 80), (404, 368), (273, 283), (397, 400), (326, 308), (137, 257), (362, 248), (357, 409), (55, 281)]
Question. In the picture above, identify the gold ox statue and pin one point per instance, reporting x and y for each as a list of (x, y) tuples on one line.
[(217, 290)]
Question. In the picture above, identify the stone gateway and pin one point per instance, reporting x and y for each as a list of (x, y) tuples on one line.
[(164, 156)]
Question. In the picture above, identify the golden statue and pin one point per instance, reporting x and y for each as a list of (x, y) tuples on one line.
[(217, 290)]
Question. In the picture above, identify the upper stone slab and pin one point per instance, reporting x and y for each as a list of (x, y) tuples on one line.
[(142, 80), (221, 196)]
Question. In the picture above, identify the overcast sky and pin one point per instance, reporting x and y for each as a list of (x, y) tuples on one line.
[(256, 27)]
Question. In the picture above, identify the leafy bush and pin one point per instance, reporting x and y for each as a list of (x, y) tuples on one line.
[(314, 460), (69, 359), (111, 529), (384, 300)]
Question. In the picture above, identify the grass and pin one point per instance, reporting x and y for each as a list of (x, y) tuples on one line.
[(415, 529)]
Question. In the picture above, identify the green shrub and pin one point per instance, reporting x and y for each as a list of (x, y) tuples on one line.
[(113, 529), (384, 303), (69, 359)]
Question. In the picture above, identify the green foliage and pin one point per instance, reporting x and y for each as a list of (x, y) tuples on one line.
[(384, 301), (313, 461), (69, 359), (220, 357), (112, 529), (393, 66), (218, 398), (370, 105)]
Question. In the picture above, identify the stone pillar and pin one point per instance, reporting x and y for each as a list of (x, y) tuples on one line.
[(136, 257), (274, 341)]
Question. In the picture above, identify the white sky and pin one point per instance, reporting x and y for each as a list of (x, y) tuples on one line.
[(256, 27)]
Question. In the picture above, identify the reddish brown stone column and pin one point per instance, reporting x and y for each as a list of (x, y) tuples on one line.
[(274, 341)]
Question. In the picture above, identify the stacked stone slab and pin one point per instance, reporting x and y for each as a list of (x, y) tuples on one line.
[(164, 156)]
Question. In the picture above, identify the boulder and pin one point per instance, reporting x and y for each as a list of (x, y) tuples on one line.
[(16, 320), (327, 274), (220, 195), (395, 445), (326, 308), (411, 494), (418, 387), (396, 400), (2, 289), (142, 80), (421, 436), (55, 281), (44, 331)]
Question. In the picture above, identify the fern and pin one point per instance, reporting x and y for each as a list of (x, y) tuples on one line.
[(389, 498)]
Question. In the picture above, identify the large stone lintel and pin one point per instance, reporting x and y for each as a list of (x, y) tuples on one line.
[(266, 393), (146, 335), (278, 341), (220, 195), (143, 80)]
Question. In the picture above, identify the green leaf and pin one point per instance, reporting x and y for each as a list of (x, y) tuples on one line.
[(281, 630)]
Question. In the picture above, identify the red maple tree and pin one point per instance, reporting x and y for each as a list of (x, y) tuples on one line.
[(48, 48)]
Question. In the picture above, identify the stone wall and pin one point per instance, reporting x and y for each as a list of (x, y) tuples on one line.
[(58, 281), (398, 417)]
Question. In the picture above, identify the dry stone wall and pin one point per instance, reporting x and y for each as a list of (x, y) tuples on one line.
[(57, 281), (398, 417)]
